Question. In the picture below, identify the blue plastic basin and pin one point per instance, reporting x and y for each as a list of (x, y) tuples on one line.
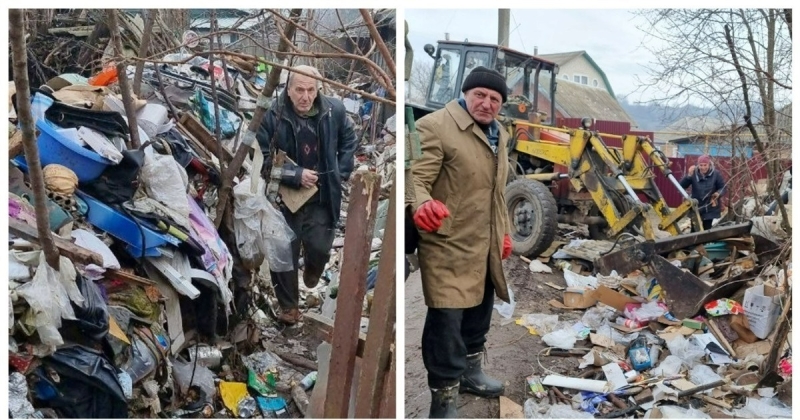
[(55, 148)]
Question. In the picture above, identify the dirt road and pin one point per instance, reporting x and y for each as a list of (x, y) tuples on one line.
[(512, 351)]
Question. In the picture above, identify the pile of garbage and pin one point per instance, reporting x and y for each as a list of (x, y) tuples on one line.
[(638, 359), (142, 316)]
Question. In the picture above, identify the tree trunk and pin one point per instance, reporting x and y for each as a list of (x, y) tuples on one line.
[(250, 136), (20, 59), (122, 76), (146, 35)]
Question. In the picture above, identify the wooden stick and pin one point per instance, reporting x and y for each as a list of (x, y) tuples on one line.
[(122, 76), (61, 245), (701, 388), (298, 360)]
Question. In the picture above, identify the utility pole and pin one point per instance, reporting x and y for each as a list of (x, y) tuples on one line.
[(503, 19)]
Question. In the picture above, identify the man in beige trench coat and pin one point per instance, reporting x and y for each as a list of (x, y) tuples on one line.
[(459, 209)]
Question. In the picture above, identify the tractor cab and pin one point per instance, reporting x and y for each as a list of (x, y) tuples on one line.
[(530, 80)]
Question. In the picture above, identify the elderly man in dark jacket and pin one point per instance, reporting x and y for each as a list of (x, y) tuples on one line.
[(316, 133), (707, 186)]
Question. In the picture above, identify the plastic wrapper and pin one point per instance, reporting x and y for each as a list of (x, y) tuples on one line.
[(540, 323), (563, 411), (577, 280), (261, 362), (203, 378), (612, 281), (166, 182), (92, 316), (678, 412), (16, 269), (210, 357), (49, 301), (721, 307), (670, 366), (87, 240), (764, 408), (646, 312), (261, 230), (506, 309), (689, 353), (228, 122), (563, 339), (143, 361), (534, 410), (594, 317), (18, 405), (702, 374)]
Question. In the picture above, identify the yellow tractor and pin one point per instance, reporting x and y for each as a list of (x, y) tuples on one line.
[(574, 175)]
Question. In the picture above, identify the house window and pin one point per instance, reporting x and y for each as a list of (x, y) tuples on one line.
[(566, 77), (595, 83), (577, 78)]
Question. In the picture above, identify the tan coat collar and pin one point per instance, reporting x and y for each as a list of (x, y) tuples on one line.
[(464, 120)]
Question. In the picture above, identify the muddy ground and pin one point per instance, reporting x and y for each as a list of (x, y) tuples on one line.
[(512, 351)]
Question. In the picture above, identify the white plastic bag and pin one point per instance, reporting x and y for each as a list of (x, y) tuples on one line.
[(506, 309), (563, 411), (261, 230), (670, 366), (577, 280), (702, 375), (49, 302), (534, 410), (542, 323), (765, 408), (678, 412), (166, 181), (689, 353), (562, 339)]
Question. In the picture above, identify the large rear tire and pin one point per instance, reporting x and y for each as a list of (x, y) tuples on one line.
[(533, 214)]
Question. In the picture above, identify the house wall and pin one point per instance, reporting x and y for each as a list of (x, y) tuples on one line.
[(582, 67)]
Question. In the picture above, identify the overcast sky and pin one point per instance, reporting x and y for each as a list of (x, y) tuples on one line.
[(610, 37)]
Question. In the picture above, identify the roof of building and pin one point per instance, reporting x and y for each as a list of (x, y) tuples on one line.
[(577, 101), (563, 58), (228, 22)]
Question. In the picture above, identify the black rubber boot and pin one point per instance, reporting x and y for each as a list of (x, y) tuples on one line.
[(444, 402), (474, 381)]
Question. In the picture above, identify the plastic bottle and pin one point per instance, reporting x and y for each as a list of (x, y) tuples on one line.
[(629, 323), (308, 381)]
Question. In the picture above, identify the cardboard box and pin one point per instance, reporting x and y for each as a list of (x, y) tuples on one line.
[(762, 308), (613, 298)]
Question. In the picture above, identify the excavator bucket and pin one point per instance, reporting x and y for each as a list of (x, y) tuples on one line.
[(682, 291)]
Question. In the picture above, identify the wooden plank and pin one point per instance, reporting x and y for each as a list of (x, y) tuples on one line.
[(195, 144), (199, 131), (65, 248), (388, 408), (118, 274), (509, 409), (361, 214), (323, 327), (714, 401), (381, 323)]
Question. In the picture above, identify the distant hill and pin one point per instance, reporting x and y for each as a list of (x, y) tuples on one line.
[(653, 117)]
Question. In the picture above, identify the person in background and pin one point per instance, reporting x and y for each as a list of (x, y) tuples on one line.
[(318, 137), (459, 208), (707, 186)]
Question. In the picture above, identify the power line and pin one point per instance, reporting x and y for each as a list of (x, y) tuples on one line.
[(525, 50)]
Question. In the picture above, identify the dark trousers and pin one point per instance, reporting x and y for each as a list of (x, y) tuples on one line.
[(450, 335), (707, 223), (313, 226)]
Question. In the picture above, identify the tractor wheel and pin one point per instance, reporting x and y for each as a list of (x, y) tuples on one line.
[(533, 215)]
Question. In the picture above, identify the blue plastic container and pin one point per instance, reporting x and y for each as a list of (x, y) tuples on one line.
[(55, 148), (122, 227)]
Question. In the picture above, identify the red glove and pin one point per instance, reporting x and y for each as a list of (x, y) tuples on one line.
[(430, 214), (506, 246)]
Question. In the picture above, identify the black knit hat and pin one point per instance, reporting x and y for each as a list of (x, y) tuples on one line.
[(486, 78)]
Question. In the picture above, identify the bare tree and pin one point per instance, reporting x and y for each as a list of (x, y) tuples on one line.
[(19, 57), (737, 62), (419, 81)]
